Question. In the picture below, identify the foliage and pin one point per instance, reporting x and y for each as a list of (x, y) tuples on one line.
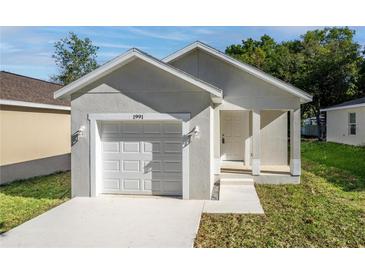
[(23, 200), (74, 57), (327, 63), (362, 76), (326, 210)]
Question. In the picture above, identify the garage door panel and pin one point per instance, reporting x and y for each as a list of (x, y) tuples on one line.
[(152, 129), (171, 186), (172, 166), (142, 158), (112, 184), (152, 185), (152, 147), (111, 127), (130, 147), (172, 129), (132, 128), (111, 147), (131, 166), (152, 166), (111, 165), (172, 147), (131, 184)]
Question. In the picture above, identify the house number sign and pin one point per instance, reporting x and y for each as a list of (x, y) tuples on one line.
[(137, 117)]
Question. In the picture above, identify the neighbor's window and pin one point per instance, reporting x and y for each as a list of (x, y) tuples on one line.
[(352, 123)]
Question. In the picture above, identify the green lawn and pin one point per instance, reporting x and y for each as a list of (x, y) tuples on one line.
[(23, 200), (326, 210)]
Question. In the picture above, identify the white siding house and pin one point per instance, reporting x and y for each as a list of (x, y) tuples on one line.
[(346, 122)]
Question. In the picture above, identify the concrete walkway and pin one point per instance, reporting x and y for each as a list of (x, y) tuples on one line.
[(113, 221), (130, 221), (236, 196)]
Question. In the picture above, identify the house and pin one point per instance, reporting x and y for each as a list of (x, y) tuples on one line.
[(169, 127), (346, 122), (34, 128)]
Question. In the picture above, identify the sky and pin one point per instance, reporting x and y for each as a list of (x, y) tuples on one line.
[(28, 50)]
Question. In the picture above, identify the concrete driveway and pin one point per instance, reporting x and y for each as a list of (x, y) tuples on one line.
[(111, 221)]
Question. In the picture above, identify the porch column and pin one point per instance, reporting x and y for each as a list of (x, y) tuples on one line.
[(255, 162), (295, 166)]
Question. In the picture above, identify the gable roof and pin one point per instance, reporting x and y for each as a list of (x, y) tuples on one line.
[(349, 104), (124, 59), (22, 90), (304, 96)]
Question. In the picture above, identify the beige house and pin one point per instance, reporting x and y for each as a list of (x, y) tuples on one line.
[(34, 128), (346, 122), (177, 125)]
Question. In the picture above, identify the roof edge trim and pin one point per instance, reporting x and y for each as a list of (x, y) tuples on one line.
[(123, 59), (344, 107), (304, 96), (32, 104)]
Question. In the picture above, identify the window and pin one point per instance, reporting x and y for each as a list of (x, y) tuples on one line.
[(352, 123)]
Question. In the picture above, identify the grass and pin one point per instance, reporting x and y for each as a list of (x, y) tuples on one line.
[(326, 210), (23, 200)]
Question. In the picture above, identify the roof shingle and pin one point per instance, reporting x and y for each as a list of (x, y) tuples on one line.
[(350, 103), (27, 89)]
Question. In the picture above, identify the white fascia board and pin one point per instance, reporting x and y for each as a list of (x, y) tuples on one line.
[(343, 107), (94, 75), (304, 97), (217, 100), (32, 105), (146, 116), (125, 58)]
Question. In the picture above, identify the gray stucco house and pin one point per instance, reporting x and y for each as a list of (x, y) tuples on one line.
[(175, 126)]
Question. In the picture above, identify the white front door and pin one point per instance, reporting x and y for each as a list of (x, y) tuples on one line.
[(234, 132), (142, 157)]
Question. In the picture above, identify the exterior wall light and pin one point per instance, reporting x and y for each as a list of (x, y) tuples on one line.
[(81, 131), (194, 133)]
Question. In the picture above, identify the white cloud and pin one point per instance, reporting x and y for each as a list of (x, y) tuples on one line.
[(295, 30), (27, 58), (108, 54), (118, 46), (204, 31), (6, 48), (163, 34)]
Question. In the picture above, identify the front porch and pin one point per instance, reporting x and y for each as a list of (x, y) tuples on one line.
[(269, 174), (262, 145)]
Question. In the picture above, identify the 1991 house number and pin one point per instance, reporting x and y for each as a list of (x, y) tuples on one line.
[(137, 117)]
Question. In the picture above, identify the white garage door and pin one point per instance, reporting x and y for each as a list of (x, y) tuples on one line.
[(142, 157)]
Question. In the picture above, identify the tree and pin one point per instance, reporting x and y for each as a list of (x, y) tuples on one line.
[(326, 63), (74, 58), (331, 68), (362, 76)]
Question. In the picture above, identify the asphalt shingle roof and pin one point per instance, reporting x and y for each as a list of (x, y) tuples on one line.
[(22, 88), (350, 103)]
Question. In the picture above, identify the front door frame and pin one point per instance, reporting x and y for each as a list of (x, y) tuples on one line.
[(247, 143), (95, 143)]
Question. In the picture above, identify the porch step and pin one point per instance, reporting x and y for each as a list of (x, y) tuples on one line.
[(236, 181)]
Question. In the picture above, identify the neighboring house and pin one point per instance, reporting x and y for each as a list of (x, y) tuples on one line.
[(346, 122), (167, 127), (34, 128)]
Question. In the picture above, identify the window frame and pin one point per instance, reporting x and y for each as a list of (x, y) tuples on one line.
[(352, 125)]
